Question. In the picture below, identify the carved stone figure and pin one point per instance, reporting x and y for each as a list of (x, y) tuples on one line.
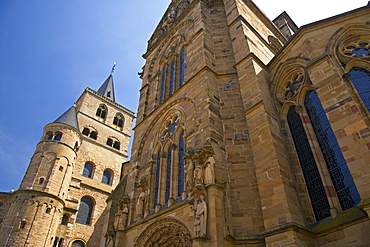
[(140, 202), (189, 175), (200, 217), (120, 218), (198, 173), (209, 174), (172, 16)]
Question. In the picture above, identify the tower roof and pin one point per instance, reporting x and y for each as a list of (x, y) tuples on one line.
[(107, 88), (69, 118)]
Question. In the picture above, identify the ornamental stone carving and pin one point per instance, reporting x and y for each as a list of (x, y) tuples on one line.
[(166, 232), (200, 216)]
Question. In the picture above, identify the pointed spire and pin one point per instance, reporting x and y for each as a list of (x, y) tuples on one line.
[(107, 88), (69, 118)]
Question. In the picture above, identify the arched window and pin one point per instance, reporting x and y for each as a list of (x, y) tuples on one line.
[(88, 170), (109, 142), (172, 78), (182, 67), (113, 143), (107, 176), (181, 165), (344, 185), (168, 175), (315, 187), (65, 220), (90, 133), (163, 85), (54, 136), (41, 180), (101, 112), (118, 120), (157, 176), (50, 135), (58, 136), (361, 80), (85, 211), (86, 131), (78, 243)]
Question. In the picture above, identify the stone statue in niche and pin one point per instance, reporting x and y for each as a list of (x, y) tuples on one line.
[(200, 216), (141, 202), (209, 174), (189, 175)]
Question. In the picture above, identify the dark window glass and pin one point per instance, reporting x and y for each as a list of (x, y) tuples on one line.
[(86, 131), (361, 80), (23, 224), (172, 78), (163, 85), (182, 67), (55, 242), (181, 170), (57, 137), (50, 136), (88, 170), (101, 111), (41, 180), (65, 219), (78, 243), (168, 175), (342, 179), (116, 145), (61, 241), (315, 187), (118, 120), (85, 211), (109, 142), (93, 135), (157, 174), (107, 175)]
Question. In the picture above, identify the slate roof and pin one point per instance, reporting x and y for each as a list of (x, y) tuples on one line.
[(69, 118), (107, 88)]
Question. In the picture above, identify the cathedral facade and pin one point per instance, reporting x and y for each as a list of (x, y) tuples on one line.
[(249, 132)]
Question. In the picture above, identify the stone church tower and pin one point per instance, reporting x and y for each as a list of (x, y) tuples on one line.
[(249, 132), (62, 198)]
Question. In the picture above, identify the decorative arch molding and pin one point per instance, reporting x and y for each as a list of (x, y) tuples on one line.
[(166, 232), (159, 116), (285, 68), (346, 35)]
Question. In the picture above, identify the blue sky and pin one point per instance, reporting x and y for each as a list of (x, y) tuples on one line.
[(50, 51)]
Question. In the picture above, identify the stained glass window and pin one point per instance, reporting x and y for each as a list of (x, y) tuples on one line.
[(358, 50), (182, 67), (361, 80), (315, 187), (157, 174), (168, 175), (341, 177), (172, 78), (171, 127), (85, 211), (181, 171), (163, 85)]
